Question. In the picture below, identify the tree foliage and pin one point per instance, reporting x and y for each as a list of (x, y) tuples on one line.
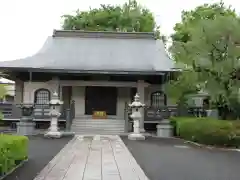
[(209, 49), (127, 18), (190, 19), (3, 90)]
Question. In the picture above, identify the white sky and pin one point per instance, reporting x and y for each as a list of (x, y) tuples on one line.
[(25, 24)]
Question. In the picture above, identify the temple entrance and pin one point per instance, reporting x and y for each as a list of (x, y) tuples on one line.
[(101, 99)]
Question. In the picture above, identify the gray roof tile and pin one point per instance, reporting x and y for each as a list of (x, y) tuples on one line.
[(98, 53)]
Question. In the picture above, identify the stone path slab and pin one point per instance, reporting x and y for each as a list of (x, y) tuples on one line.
[(93, 158)]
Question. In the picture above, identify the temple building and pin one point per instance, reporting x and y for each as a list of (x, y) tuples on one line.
[(100, 72)]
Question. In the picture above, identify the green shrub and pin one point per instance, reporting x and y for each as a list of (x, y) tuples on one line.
[(13, 149), (1, 118), (208, 131), (176, 120)]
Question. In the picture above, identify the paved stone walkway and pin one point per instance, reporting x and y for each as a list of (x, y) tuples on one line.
[(93, 158)]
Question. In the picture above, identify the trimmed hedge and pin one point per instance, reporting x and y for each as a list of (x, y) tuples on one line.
[(208, 131), (13, 150)]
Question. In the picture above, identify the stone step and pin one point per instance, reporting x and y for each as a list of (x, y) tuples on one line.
[(98, 126), (98, 120), (97, 129), (99, 132)]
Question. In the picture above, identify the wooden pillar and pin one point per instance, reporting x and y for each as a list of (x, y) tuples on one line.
[(66, 95), (141, 92)]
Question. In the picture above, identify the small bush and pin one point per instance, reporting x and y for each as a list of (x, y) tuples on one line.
[(208, 131), (13, 150)]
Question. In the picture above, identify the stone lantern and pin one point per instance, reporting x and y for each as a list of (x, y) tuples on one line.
[(26, 111), (136, 115), (26, 125), (198, 98), (55, 106)]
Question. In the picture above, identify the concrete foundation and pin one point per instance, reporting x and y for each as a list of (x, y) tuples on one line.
[(25, 128)]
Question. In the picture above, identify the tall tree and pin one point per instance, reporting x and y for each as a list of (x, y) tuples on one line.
[(183, 30), (128, 17), (209, 52)]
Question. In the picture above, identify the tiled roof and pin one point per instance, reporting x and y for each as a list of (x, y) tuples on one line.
[(98, 51)]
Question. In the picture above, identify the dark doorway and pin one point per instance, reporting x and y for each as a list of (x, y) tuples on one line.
[(67, 96), (101, 99)]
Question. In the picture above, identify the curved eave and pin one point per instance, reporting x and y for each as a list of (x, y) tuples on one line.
[(73, 71)]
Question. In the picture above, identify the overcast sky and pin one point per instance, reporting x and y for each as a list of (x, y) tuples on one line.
[(25, 24)]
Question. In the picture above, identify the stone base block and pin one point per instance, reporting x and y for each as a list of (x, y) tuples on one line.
[(164, 130), (67, 133), (135, 136), (25, 128), (213, 113), (97, 138), (53, 134), (142, 130)]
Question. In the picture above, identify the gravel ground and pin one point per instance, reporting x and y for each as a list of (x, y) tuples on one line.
[(172, 159), (41, 151)]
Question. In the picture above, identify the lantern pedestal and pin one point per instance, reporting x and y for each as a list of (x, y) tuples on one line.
[(53, 134), (26, 126), (53, 129), (135, 136)]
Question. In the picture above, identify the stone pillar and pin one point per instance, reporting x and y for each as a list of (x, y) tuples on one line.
[(19, 87), (136, 115), (141, 92)]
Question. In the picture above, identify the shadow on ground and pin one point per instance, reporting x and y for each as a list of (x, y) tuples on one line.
[(172, 159), (41, 151)]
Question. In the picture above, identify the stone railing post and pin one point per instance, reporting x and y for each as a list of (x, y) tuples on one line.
[(68, 120)]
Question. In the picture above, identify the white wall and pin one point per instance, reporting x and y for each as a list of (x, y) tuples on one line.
[(78, 95), (30, 88), (123, 97), (149, 90)]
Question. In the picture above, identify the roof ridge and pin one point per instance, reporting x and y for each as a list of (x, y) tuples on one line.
[(103, 34)]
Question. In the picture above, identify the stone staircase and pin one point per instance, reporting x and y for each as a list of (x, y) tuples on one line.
[(90, 126)]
